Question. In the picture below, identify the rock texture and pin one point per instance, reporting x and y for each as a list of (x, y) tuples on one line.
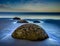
[(30, 32)]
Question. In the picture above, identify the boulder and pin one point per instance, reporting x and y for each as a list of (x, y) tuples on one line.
[(31, 32), (36, 21), (16, 18)]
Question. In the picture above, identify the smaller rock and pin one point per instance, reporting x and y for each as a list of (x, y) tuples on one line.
[(36, 21), (17, 18)]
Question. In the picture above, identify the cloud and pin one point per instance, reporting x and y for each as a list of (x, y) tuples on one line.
[(31, 6), (4, 6)]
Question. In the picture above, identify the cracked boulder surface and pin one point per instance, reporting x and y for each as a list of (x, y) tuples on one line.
[(31, 32)]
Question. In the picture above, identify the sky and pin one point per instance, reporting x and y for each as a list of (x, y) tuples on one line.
[(29, 5)]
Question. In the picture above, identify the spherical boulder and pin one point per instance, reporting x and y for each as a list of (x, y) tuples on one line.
[(30, 32)]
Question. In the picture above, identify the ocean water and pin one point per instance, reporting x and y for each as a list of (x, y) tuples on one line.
[(31, 15), (49, 22), (8, 25)]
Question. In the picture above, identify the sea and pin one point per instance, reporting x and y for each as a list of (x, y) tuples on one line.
[(49, 22)]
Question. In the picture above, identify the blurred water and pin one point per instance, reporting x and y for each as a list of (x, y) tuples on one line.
[(8, 25)]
